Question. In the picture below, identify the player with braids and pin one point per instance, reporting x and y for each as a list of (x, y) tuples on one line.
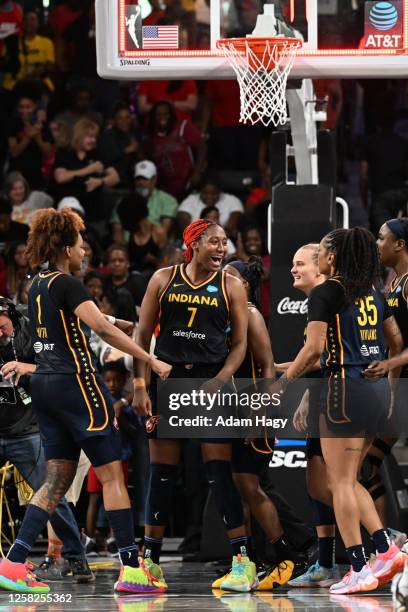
[(72, 404), (357, 262), (350, 318), (195, 304)]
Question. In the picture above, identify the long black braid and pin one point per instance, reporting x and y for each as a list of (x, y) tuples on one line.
[(357, 262)]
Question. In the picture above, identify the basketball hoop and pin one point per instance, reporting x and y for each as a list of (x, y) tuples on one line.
[(262, 66)]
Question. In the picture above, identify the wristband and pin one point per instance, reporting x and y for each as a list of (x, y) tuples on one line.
[(124, 401), (111, 319), (139, 383)]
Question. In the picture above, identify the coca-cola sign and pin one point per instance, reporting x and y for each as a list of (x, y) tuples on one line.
[(288, 306)]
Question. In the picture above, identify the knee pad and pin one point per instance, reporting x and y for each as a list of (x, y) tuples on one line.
[(322, 514), (162, 478), (227, 499)]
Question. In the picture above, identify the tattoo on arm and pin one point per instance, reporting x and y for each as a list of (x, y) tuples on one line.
[(60, 474)]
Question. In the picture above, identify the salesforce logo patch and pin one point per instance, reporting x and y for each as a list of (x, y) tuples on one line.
[(212, 289), (383, 16), (38, 347)]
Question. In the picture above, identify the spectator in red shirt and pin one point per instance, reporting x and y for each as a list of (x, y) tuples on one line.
[(176, 147), (233, 146), (60, 18), (182, 94)]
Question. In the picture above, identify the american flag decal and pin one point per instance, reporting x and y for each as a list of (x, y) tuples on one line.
[(160, 37)]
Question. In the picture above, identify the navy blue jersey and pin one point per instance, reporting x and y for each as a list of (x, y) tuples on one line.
[(193, 319), (60, 339), (355, 334), (397, 303)]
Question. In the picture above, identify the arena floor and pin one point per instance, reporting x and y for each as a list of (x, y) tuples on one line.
[(189, 590)]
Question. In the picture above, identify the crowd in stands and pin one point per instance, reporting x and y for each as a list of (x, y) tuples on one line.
[(139, 161)]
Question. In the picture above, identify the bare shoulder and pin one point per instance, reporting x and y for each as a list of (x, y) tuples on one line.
[(232, 281), (161, 277)]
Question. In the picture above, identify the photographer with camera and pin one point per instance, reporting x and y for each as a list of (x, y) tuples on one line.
[(20, 441)]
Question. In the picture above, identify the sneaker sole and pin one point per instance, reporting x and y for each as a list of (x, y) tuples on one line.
[(125, 587), (237, 589), (396, 568), (10, 585), (275, 585), (321, 583), (361, 588)]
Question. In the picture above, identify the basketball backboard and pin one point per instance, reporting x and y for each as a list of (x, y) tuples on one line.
[(176, 39)]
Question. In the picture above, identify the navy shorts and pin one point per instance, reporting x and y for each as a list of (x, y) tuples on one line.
[(184, 371), (247, 460), (75, 412), (356, 407)]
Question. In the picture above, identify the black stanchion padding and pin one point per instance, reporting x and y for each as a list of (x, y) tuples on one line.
[(277, 158), (303, 203)]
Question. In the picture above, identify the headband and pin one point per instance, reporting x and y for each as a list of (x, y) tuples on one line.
[(398, 229), (242, 268)]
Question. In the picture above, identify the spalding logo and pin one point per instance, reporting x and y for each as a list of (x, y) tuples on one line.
[(288, 306), (383, 16)]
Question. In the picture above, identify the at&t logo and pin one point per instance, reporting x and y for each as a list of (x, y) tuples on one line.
[(383, 16), (383, 27), (39, 346)]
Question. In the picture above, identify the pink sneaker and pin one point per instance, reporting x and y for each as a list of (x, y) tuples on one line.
[(19, 577), (387, 564), (355, 582)]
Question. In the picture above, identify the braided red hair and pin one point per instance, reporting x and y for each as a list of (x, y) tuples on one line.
[(193, 233)]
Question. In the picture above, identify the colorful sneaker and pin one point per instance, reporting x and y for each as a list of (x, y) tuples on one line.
[(155, 570), (242, 577), (276, 576), (355, 582), (318, 576), (217, 583), (138, 580), (19, 577), (387, 564)]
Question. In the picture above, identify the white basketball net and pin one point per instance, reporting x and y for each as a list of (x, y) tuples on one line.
[(262, 79)]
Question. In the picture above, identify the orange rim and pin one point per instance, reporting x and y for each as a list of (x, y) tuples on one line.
[(258, 45)]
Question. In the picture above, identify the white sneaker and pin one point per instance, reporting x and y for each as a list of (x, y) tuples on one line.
[(399, 590), (356, 582)]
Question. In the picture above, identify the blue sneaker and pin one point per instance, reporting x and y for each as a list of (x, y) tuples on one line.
[(316, 576)]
